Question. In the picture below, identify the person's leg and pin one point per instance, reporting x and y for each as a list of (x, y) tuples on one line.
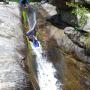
[(31, 38), (30, 33)]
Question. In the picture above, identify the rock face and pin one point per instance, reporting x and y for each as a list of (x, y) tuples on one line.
[(73, 73), (83, 1), (69, 46), (60, 4), (72, 41), (87, 1), (12, 50), (73, 19), (81, 38), (70, 70), (51, 10), (80, 43)]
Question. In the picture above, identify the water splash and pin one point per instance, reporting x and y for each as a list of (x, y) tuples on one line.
[(45, 71)]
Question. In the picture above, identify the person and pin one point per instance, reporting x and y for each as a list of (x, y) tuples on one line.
[(31, 35), (33, 39), (23, 2)]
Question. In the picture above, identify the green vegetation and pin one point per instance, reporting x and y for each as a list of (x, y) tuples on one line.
[(80, 11), (87, 41), (18, 0), (24, 16)]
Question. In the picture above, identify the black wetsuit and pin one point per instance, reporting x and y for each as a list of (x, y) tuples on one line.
[(24, 1)]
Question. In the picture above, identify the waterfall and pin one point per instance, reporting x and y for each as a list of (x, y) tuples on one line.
[(45, 71)]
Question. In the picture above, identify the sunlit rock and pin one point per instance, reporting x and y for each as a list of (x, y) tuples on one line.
[(81, 38), (87, 1), (12, 47), (51, 10)]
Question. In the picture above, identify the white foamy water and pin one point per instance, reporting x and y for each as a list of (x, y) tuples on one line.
[(45, 71)]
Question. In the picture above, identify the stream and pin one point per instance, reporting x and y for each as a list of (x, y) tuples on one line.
[(54, 70), (47, 67), (45, 71)]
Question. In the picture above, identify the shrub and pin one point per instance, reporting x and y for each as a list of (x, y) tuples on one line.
[(80, 11)]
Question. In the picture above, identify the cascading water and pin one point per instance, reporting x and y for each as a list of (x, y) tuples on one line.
[(45, 71)]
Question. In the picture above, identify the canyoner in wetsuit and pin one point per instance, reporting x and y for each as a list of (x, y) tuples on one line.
[(31, 33)]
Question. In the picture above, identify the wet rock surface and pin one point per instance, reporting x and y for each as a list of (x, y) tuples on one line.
[(69, 59), (87, 1), (73, 41), (81, 38), (60, 4), (74, 19), (12, 50)]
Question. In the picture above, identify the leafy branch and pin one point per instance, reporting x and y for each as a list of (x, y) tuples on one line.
[(80, 11)]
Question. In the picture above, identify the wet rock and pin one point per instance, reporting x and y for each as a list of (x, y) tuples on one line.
[(60, 4), (72, 68), (74, 71), (86, 83), (66, 56), (75, 42), (68, 17), (87, 1), (50, 9), (79, 37), (88, 67), (75, 20), (83, 1), (87, 25), (69, 46), (12, 46)]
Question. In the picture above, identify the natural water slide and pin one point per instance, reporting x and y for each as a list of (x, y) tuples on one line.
[(31, 16), (46, 78)]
